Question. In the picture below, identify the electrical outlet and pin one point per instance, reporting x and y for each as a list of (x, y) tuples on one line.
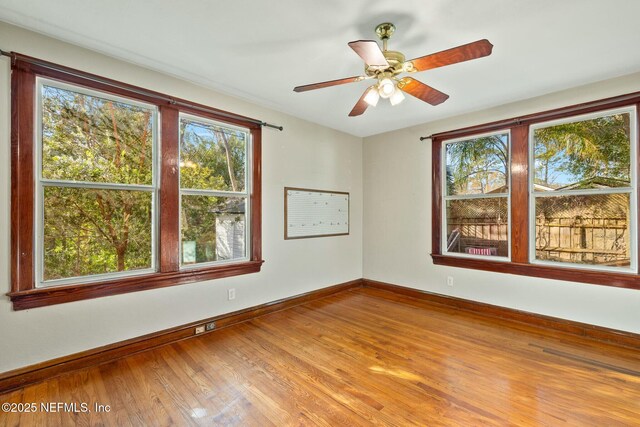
[(232, 294), (450, 281), (210, 326), (199, 329)]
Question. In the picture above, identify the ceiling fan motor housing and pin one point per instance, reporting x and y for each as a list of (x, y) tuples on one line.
[(396, 64)]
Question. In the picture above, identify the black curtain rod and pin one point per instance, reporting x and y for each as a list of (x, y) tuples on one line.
[(612, 102), (142, 92), (480, 128)]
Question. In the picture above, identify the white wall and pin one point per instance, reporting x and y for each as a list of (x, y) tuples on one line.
[(304, 155), (397, 224)]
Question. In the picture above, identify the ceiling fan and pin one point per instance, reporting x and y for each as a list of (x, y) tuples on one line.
[(386, 65)]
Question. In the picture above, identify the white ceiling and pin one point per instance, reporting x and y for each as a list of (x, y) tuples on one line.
[(259, 50)]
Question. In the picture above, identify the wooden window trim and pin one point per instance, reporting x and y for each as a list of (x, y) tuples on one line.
[(519, 263), (24, 293)]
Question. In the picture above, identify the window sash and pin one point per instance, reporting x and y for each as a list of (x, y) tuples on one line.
[(43, 81), (445, 197), (41, 183), (247, 155), (631, 110), (462, 140), (445, 237), (632, 191), (633, 267), (247, 236)]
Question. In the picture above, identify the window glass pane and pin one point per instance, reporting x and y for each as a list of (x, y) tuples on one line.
[(213, 228), (591, 229), (87, 138), (478, 226), (478, 166), (586, 154), (211, 157), (90, 231)]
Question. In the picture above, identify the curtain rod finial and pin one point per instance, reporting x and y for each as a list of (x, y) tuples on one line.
[(269, 125)]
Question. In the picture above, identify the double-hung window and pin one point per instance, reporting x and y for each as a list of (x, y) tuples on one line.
[(476, 196), (583, 191), (97, 185), (214, 191), (552, 194), (117, 189)]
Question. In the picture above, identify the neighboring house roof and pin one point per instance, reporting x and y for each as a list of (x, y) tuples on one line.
[(540, 187), (596, 182), (585, 184), (231, 206), (499, 190)]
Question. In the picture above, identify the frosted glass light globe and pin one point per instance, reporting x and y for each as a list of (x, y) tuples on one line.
[(372, 96), (386, 88), (397, 97)]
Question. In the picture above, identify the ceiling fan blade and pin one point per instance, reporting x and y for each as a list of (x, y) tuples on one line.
[(454, 55), (422, 91), (361, 105), (370, 52), (328, 83)]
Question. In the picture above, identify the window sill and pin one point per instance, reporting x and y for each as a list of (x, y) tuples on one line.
[(41, 297), (606, 278)]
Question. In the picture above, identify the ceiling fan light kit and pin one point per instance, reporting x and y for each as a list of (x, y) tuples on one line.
[(397, 97), (385, 65), (372, 96), (386, 87)]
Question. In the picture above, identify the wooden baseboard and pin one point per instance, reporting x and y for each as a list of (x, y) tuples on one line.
[(599, 333), (31, 374)]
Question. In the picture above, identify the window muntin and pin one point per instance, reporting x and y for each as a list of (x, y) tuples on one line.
[(214, 192), (475, 209), (96, 185), (583, 192)]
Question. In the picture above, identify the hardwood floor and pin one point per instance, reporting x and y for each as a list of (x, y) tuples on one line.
[(357, 358)]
